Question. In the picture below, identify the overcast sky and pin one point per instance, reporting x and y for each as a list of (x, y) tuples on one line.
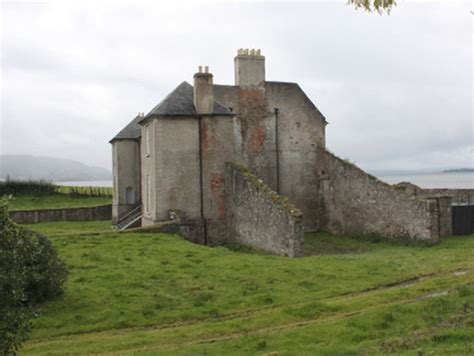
[(397, 90)]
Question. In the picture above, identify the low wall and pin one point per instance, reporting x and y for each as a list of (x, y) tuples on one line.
[(458, 196), (258, 217), (102, 212), (357, 203)]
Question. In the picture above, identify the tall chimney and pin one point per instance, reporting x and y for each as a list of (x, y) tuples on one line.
[(203, 91), (249, 68)]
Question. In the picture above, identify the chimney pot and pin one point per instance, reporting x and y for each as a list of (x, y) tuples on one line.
[(203, 92), (249, 69)]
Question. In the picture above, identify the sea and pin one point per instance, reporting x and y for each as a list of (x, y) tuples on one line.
[(455, 180), (424, 180)]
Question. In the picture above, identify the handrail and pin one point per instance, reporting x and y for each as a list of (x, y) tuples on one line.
[(130, 213)]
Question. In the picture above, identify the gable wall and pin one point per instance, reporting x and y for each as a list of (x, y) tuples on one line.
[(173, 169), (177, 167), (301, 130)]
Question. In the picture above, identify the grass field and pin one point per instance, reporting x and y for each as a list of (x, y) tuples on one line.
[(50, 201), (159, 294)]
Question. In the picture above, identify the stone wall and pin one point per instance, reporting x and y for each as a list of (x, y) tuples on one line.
[(102, 212), (458, 196), (259, 217), (357, 203)]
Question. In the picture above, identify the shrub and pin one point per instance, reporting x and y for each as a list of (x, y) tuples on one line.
[(30, 272), (14, 315), (15, 187), (45, 271)]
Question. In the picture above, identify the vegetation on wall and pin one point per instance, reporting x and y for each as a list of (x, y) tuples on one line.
[(258, 184), (30, 273)]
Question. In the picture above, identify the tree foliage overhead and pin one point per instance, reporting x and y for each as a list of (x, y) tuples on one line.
[(30, 272), (374, 5)]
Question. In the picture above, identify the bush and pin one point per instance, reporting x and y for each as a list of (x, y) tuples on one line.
[(45, 271), (30, 272), (14, 314), (42, 187), (16, 187)]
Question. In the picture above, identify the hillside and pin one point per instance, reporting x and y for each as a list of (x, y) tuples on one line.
[(459, 170), (132, 292), (25, 167)]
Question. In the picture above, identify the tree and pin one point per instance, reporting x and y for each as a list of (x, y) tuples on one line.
[(374, 5)]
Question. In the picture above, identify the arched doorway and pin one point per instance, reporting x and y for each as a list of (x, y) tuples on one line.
[(129, 196)]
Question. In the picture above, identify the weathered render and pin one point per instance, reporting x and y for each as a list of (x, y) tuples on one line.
[(174, 162), (126, 171)]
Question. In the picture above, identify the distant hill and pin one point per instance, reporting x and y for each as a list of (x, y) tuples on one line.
[(25, 167), (385, 173), (459, 170)]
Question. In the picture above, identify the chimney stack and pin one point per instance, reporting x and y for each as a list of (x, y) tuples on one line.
[(203, 91), (249, 68)]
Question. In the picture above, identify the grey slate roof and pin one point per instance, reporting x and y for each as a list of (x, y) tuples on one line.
[(132, 131), (180, 102)]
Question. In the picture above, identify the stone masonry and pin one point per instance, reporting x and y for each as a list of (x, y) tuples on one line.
[(259, 217)]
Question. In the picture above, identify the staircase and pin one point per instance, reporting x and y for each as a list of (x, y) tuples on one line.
[(129, 219)]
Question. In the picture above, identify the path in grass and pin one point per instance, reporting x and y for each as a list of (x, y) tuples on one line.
[(137, 292)]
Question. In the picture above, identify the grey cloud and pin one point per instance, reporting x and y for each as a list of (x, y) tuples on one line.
[(396, 90)]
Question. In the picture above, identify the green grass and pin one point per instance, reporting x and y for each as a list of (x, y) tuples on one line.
[(32, 202), (157, 293)]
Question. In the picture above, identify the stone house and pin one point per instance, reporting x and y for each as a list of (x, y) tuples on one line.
[(172, 163)]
